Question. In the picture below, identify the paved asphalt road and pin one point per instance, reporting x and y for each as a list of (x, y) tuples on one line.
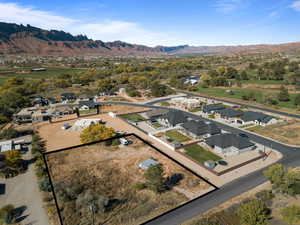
[(291, 157)]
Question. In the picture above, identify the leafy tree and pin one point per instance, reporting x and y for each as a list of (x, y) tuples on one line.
[(253, 212), (155, 180), (284, 180), (96, 132), (291, 214), (7, 214), (13, 157), (297, 99), (283, 94)]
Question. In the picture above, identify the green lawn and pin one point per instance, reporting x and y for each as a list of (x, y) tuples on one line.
[(165, 104), (133, 117), (88, 111), (176, 136), (157, 125), (199, 154), (198, 109)]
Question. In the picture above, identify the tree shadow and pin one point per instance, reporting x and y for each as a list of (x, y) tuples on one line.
[(173, 180)]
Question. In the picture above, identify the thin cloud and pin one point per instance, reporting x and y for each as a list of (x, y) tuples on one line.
[(14, 13), (107, 30), (228, 6), (296, 5)]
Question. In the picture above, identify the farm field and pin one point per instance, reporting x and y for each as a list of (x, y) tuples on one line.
[(51, 71), (111, 179), (286, 132)]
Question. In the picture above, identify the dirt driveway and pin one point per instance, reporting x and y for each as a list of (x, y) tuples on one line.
[(23, 192)]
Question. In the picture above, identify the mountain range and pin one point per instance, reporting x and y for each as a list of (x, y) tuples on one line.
[(29, 40)]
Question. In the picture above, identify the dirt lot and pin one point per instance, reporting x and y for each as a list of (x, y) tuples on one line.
[(57, 138), (118, 165), (287, 132)]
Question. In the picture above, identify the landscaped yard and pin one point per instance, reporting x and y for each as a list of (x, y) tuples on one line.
[(156, 125), (177, 136), (133, 117), (199, 154), (87, 111)]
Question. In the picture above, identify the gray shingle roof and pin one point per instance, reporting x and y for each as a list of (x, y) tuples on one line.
[(90, 103), (175, 117), (212, 107), (230, 113), (228, 140), (201, 128), (252, 116)]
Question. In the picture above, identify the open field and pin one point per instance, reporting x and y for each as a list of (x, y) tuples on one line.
[(177, 136), (239, 92), (110, 176), (199, 154), (51, 71), (286, 132)]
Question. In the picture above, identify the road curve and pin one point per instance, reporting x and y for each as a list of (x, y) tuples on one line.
[(291, 158)]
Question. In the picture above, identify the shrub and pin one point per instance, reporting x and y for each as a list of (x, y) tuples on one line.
[(140, 186), (44, 185)]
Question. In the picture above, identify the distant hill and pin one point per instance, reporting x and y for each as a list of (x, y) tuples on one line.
[(29, 40)]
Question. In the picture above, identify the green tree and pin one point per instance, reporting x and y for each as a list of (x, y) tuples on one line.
[(155, 180), (7, 214), (283, 94), (291, 214), (253, 212), (297, 99), (96, 132)]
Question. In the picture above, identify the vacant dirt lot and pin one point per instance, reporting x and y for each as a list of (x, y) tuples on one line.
[(57, 138), (287, 132), (113, 171)]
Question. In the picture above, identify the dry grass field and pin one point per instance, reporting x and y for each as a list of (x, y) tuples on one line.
[(286, 132), (111, 172)]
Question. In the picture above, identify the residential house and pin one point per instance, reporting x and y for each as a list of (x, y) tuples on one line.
[(68, 97), (200, 129), (194, 79), (256, 118), (173, 118), (229, 143), (87, 105), (212, 108), (59, 110), (154, 114), (185, 103), (231, 115)]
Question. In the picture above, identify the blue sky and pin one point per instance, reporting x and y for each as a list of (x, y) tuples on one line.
[(164, 22)]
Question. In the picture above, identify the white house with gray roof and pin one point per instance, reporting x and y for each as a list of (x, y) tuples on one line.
[(229, 143)]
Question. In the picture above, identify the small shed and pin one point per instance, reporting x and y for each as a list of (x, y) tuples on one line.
[(148, 163)]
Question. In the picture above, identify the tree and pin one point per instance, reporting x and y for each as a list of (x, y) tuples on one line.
[(7, 214), (283, 180), (253, 212), (297, 99), (283, 94), (155, 180), (96, 132), (291, 214), (13, 157), (276, 174)]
